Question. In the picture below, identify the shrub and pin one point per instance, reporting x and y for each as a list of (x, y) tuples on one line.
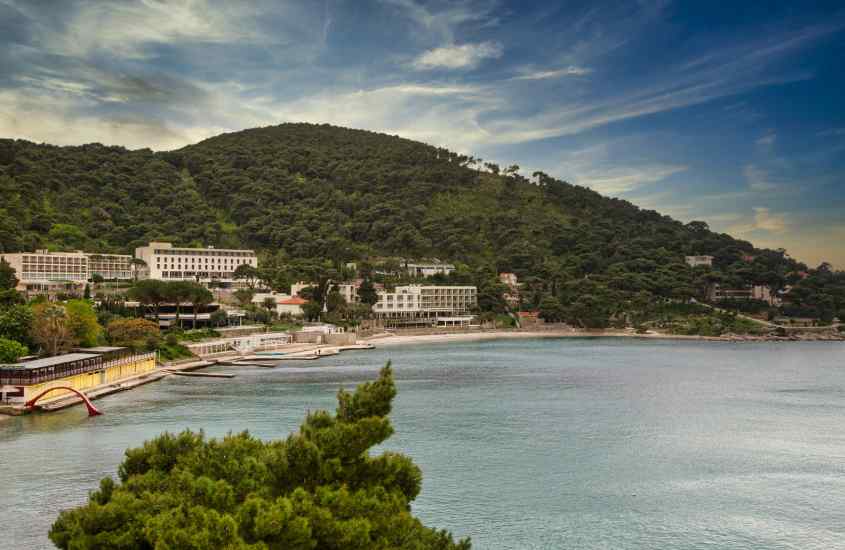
[(11, 351), (138, 334), (318, 488)]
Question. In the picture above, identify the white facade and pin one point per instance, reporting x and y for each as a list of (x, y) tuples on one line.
[(426, 303), (296, 288), (349, 291), (291, 306), (259, 297), (169, 263), (694, 261), (285, 304), (43, 270), (428, 269), (756, 292), (110, 266)]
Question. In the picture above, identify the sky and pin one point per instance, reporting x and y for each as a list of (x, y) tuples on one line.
[(726, 112)]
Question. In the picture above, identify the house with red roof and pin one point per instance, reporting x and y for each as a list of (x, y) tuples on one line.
[(291, 306)]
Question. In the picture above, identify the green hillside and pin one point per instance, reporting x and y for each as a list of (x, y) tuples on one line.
[(322, 192)]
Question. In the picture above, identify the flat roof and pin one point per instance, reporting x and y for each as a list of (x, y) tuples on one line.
[(53, 361), (100, 349)]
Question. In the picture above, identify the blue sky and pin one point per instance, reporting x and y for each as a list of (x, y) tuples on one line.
[(714, 111)]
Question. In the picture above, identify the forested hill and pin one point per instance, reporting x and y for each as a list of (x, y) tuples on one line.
[(318, 191)]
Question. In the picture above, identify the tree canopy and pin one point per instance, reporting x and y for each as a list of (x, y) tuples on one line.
[(318, 489), (307, 195)]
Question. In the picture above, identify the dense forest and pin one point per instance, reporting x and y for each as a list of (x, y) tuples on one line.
[(303, 191)]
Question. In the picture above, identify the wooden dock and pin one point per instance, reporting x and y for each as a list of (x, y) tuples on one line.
[(203, 374)]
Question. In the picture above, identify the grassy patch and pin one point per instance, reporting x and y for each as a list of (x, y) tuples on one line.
[(171, 352)]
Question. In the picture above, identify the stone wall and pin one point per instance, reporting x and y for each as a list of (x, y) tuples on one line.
[(340, 338)]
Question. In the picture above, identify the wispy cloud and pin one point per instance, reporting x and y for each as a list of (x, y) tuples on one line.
[(442, 23), (127, 29), (623, 179), (768, 140), (599, 167), (758, 179), (832, 132), (454, 56), (572, 70), (762, 220)]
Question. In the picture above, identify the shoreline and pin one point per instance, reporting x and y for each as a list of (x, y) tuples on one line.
[(390, 339)]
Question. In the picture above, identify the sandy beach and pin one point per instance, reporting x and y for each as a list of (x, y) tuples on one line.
[(404, 339)]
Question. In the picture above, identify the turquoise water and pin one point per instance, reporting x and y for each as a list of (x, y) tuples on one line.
[(528, 444)]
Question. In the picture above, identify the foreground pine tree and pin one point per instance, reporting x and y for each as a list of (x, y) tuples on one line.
[(318, 489)]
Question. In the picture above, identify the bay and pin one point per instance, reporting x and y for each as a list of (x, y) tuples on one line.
[(593, 443)]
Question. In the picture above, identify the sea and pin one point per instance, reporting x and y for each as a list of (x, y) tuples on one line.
[(567, 443)]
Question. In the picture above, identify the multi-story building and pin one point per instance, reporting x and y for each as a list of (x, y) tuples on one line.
[(348, 290), (694, 261), (427, 305), (46, 272), (428, 269), (110, 266), (756, 292), (205, 265)]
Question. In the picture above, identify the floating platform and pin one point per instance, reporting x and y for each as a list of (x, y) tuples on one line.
[(204, 374), (353, 347)]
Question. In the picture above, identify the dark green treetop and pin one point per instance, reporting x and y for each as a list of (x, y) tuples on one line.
[(317, 489)]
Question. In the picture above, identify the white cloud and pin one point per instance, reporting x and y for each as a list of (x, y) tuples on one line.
[(442, 24), (758, 179), (623, 179), (768, 140), (599, 167), (453, 56), (832, 132), (572, 70), (763, 220), (23, 115), (767, 221), (124, 29), (442, 115)]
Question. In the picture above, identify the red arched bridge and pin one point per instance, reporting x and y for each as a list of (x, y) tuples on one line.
[(92, 410)]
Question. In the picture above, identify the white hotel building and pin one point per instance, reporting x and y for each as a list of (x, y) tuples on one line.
[(45, 272), (427, 305), (111, 267), (205, 265), (48, 272)]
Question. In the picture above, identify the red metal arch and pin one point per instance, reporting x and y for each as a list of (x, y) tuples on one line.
[(92, 410)]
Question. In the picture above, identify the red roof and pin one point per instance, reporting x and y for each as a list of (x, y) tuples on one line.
[(529, 314), (295, 301)]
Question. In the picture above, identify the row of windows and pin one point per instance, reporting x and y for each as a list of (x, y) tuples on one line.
[(54, 268), (200, 274), (110, 265), (234, 253), (54, 260), (179, 261)]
